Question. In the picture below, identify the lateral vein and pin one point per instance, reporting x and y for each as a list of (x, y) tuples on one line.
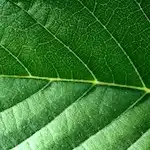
[(16, 58), (131, 62), (59, 40), (142, 11)]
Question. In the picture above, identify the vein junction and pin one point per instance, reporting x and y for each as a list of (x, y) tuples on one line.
[(94, 82)]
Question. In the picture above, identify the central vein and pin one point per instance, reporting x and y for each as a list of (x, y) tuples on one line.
[(94, 82)]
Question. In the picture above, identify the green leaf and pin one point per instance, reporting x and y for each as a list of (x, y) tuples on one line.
[(74, 74)]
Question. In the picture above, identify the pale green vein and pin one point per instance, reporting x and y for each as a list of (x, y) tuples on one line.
[(90, 71), (144, 135), (27, 141), (140, 98), (60, 41), (12, 107), (94, 82), (79, 98), (39, 90), (142, 11), (17, 59), (136, 101), (131, 62)]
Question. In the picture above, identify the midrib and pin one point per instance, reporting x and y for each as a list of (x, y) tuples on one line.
[(94, 82)]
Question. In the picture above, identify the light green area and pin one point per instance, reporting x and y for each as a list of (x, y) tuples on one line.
[(74, 74)]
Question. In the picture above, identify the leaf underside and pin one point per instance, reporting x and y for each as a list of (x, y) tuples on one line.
[(74, 74)]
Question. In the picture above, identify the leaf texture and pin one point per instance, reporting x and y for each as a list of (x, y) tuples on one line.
[(74, 74)]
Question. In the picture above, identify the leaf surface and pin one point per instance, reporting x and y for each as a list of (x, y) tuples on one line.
[(74, 74)]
